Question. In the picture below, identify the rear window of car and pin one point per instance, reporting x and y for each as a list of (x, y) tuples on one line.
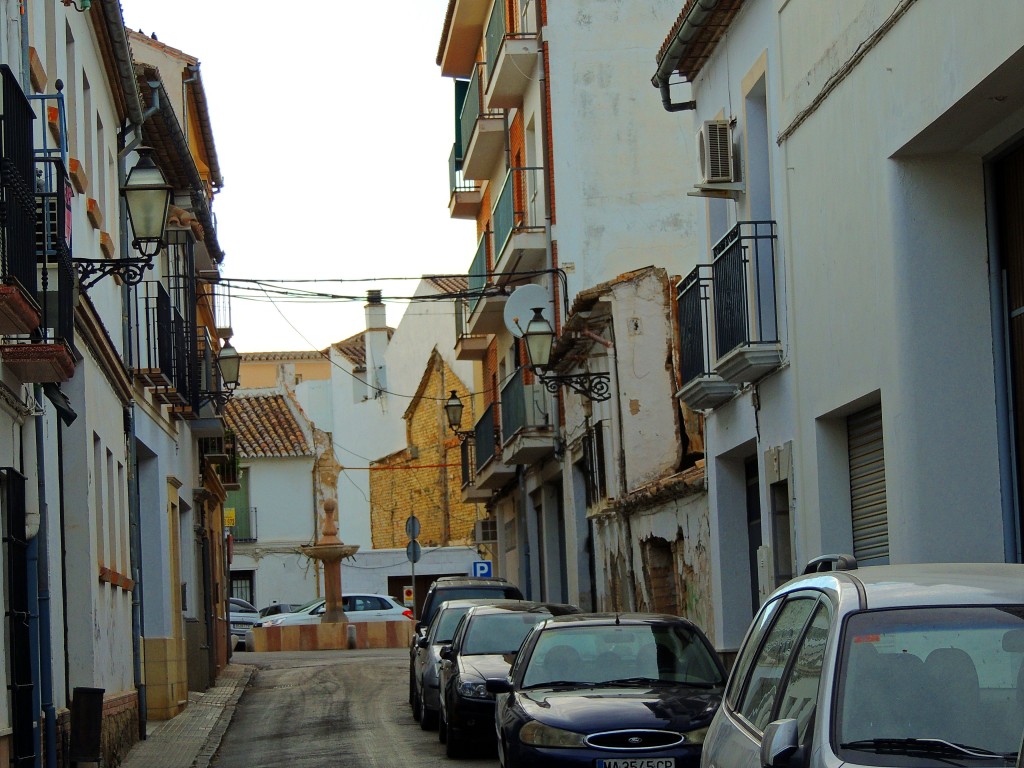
[(502, 592)]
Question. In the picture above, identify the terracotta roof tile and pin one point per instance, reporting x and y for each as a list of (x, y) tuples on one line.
[(448, 283), (265, 426)]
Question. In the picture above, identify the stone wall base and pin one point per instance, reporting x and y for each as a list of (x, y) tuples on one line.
[(333, 637)]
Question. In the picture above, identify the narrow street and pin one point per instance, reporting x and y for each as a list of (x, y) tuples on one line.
[(331, 708)]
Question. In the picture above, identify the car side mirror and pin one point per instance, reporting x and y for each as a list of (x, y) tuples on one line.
[(779, 743), (421, 642), (421, 627), (498, 685), (446, 652)]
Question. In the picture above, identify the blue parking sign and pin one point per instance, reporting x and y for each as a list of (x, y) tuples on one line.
[(482, 568)]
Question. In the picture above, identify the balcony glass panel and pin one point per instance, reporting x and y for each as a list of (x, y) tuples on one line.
[(485, 436), (513, 404), (494, 35), (470, 110), (518, 206), (744, 287), (477, 277)]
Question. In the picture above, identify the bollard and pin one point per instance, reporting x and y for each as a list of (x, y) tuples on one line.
[(350, 630)]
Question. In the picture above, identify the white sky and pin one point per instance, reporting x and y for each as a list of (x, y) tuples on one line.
[(333, 127)]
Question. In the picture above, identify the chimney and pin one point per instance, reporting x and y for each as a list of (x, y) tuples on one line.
[(376, 339)]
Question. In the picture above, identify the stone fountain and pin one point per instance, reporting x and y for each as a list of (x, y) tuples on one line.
[(330, 551)]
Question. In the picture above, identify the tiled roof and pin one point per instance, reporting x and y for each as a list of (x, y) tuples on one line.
[(448, 283), (267, 357), (695, 51), (265, 426), (354, 347)]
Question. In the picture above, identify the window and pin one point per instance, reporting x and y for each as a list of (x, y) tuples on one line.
[(749, 651), (800, 693), (759, 697)]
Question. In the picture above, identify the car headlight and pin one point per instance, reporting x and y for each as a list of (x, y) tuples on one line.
[(474, 689), (273, 622), (697, 736), (536, 734)]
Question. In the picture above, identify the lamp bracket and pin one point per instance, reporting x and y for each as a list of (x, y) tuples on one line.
[(593, 386), (131, 270), (219, 398)]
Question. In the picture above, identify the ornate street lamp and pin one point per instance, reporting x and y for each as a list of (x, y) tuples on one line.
[(453, 408), (228, 363), (147, 197), (540, 336)]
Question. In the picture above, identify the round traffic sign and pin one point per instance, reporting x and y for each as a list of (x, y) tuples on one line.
[(412, 527), (413, 551)]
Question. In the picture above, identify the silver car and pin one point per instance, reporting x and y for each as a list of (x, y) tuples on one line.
[(895, 665)]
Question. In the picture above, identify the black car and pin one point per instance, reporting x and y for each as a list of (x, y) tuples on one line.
[(609, 690), (453, 588), (483, 646)]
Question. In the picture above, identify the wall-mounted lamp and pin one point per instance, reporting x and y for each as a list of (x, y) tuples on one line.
[(540, 336), (147, 196), (453, 408), (228, 362)]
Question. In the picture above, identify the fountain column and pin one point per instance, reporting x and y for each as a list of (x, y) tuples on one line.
[(330, 551)]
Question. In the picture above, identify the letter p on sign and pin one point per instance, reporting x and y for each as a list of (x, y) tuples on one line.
[(482, 568)]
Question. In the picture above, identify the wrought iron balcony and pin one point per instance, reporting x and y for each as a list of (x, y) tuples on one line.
[(702, 386), (520, 242), (466, 196), (468, 346), (512, 49), (470, 492), (482, 131), (746, 319), (526, 421)]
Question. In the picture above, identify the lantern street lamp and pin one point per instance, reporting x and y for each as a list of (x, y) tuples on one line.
[(540, 336), (228, 363), (147, 197), (453, 408)]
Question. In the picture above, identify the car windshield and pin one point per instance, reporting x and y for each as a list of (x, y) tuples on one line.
[(625, 654), (306, 607), (912, 677), (493, 633), (445, 624)]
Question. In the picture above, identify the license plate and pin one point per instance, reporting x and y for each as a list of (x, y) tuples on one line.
[(636, 762)]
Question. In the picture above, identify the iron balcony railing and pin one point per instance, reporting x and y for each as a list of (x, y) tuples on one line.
[(56, 284), (477, 279), (485, 436), (17, 207), (743, 269), (456, 181), (245, 529), (517, 208), (693, 301), (522, 406)]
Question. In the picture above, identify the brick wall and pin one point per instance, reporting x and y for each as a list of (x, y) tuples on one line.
[(433, 489)]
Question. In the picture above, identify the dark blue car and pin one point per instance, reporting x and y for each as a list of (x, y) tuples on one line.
[(608, 691)]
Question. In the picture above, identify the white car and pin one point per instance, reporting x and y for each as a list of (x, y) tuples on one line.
[(242, 615), (362, 607)]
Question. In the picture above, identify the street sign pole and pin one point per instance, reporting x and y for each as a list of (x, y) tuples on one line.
[(412, 551)]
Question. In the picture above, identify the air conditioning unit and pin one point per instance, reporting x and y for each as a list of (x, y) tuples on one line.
[(486, 532), (714, 148)]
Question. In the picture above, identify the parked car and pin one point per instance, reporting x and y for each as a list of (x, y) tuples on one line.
[(275, 609), (608, 690), (428, 656), (362, 607), (894, 665), (453, 588), (483, 645), (241, 616)]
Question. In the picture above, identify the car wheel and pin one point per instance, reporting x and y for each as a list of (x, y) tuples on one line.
[(412, 687), (442, 727), (428, 717), (417, 708)]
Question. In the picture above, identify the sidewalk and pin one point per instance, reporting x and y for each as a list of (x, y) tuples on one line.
[(191, 739)]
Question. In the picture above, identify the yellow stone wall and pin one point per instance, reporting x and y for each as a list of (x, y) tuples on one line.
[(166, 677), (433, 490)]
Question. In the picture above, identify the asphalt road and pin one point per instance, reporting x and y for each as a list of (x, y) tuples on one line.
[(331, 708)]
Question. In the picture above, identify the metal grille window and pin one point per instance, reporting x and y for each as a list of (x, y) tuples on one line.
[(593, 464), (867, 486)]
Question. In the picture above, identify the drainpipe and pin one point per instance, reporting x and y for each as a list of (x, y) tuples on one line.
[(695, 20), (43, 587)]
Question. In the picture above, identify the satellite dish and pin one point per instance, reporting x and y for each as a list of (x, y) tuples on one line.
[(519, 307)]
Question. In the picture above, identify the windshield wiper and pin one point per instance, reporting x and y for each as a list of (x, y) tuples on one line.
[(926, 746), (560, 684)]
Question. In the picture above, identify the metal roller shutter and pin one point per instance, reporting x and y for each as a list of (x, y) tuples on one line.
[(867, 486)]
